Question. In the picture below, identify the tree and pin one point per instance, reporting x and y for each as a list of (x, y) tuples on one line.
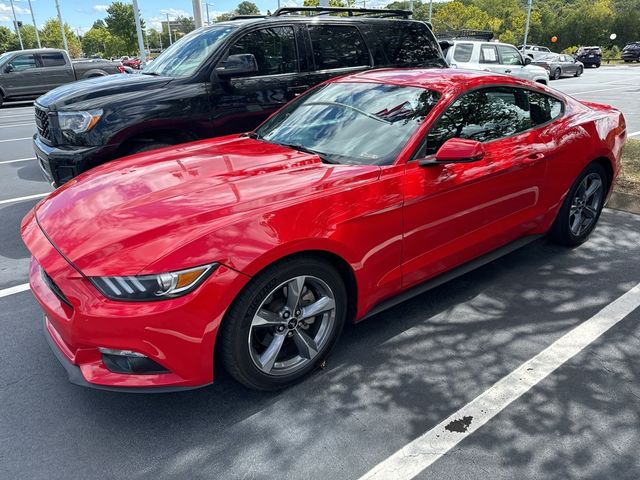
[(6, 36), (51, 37), (121, 24), (187, 24), (247, 8), (99, 24)]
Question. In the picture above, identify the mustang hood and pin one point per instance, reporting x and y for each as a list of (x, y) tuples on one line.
[(109, 220)]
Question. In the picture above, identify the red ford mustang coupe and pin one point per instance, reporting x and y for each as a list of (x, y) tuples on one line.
[(255, 249)]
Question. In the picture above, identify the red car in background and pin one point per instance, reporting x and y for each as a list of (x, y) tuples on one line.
[(132, 63), (255, 249)]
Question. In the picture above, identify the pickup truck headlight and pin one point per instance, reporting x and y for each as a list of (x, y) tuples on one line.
[(78, 122), (153, 287)]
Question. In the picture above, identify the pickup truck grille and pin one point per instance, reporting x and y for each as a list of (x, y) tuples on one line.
[(42, 122)]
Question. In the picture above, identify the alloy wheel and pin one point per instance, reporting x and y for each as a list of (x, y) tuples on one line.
[(586, 204), (291, 325)]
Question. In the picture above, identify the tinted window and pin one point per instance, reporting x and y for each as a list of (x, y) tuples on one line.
[(488, 54), (408, 43), (509, 55), (274, 49), (463, 52), (337, 46), (482, 115), (23, 62), (358, 123), (52, 59), (543, 108)]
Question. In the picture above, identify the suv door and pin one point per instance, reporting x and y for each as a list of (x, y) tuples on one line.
[(489, 59), (241, 103), (336, 50), (512, 62), (455, 212), (56, 70), (21, 76)]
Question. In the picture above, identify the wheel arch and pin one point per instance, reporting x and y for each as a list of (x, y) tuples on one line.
[(608, 168)]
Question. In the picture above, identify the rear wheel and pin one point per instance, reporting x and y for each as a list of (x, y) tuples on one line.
[(283, 324), (557, 73), (581, 209)]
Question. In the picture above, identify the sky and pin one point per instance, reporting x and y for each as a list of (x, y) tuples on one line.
[(81, 14)]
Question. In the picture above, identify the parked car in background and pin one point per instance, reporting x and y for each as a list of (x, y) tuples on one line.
[(560, 65), (533, 51), (221, 79), (132, 63), (254, 250), (27, 74), (631, 52), (493, 57), (589, 56)]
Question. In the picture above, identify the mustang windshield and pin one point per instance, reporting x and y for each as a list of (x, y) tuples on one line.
[(358, 123)]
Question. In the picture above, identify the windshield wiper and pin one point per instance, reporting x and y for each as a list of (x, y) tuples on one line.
[(251, 135), (300, 148)]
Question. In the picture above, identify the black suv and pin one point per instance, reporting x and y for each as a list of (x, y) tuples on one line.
[(589, 56), (631, 52), (222, 79)]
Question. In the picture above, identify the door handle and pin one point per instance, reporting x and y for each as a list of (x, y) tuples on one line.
[(508, 70)]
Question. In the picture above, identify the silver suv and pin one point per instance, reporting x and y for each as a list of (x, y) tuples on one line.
[(493, 57)]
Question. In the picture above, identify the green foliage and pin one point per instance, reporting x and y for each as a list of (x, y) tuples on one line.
[(121, 24), (6, 36), (247, 8), (51, 36)]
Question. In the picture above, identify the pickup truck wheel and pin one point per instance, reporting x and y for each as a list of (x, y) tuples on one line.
[(146, 146)]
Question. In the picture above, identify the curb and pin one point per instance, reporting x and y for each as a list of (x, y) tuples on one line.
[(625, 202)]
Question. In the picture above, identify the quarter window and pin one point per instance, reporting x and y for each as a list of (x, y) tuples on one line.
[(462, 52), (543, 108), (338, 46), (489, 114), (274, 49)]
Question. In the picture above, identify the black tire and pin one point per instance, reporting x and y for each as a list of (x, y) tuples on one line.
[(557, 73), (1, 100), (146, 146), (578, 72), (236, 341), (561, 232), (597, 65)]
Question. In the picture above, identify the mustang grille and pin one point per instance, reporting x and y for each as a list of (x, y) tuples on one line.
[(42, 122)]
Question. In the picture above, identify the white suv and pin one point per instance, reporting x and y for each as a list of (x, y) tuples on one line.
[(493, 57)]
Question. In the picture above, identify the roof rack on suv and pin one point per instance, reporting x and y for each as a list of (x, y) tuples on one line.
[(241, 17), (465, 34), (364, 12)]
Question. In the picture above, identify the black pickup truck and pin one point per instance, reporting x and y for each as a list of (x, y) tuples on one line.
[(27, 74), (222, 79)]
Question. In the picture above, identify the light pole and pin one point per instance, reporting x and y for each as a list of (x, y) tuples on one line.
[(430, 10), (34, 25), (207, 5), (169, 29), (64, 36), (136, 17), (15, 25), (526, 28), (197, 13)]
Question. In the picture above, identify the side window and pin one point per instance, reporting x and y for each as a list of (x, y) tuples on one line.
[(52, 60), (23, 62), (338, 46), (407, 43), (462, 52), (483, 115), (543, 107), (509, 55), (488, 54), (274, 49)]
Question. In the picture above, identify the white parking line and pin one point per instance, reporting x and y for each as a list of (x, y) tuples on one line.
[(17, 160), (16, 139), (419, 454), (634, 134), (13, 290), (28, 197), (18, 125)]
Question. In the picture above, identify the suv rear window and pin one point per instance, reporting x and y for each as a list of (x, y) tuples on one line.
[(462, 52), (408, 43), (338, 46)]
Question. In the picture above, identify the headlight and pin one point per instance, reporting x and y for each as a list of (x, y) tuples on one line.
[(79, 122), (153, 287)]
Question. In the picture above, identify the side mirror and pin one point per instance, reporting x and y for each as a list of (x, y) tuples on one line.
[(456, 150), (444, 44), (527, 60), (9, 68), (237, 65)]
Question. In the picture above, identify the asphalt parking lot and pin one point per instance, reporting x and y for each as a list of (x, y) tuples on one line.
[(392, 381)]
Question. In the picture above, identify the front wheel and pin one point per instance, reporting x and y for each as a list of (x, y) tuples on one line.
[(581, 209), (283, 324), (578, 72)]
